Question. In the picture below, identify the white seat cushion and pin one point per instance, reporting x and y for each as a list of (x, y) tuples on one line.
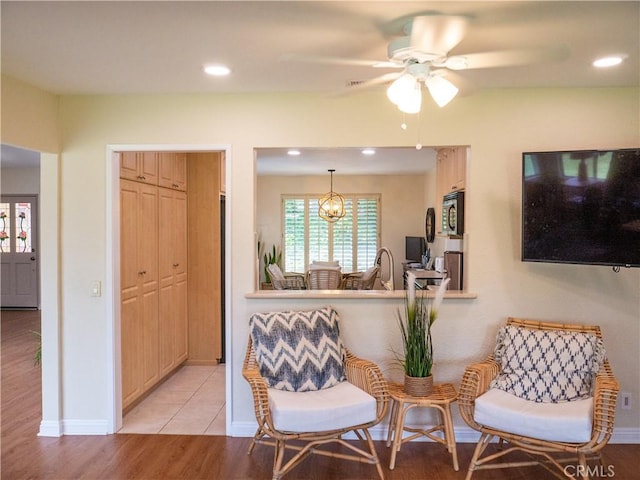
[(557, 422), (324, 264), (341, 406)]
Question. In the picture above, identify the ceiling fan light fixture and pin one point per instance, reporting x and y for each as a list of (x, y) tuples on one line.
[(442, 90), (397, 90), (412, 100), (405, 92)]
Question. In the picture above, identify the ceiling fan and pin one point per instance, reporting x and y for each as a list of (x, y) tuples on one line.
[(423, 57)]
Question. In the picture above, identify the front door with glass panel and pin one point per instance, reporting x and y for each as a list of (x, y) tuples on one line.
[(18, 225)]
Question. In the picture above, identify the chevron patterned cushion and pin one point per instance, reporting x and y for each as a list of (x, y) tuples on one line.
[(547, 366), (298, 351)]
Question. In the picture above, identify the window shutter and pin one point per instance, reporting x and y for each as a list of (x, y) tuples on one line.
[(353, 240)]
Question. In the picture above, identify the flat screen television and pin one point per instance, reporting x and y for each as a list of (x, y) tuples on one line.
[(581, 207), (415, 248)]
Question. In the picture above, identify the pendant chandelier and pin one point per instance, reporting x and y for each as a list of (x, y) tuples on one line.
[(331, 205)]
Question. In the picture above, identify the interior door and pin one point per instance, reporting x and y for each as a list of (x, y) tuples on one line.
[(19, 258)]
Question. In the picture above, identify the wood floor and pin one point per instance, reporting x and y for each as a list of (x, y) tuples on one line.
[(148, 457)]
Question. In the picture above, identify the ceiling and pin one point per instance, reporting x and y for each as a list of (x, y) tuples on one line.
[(345, 161), (113, 47)]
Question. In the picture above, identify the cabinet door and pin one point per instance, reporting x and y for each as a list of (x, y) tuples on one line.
[(139, 288), (172, 170), (129, 165), (222, 179), (173, 279), (165, 266), (139, 166), (148, 255), (180, 171), (148, 167), (180, 277), (130, 311), (459, 170), (131, 335)]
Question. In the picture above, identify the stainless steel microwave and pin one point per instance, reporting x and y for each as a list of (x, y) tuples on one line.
[(453, 214)]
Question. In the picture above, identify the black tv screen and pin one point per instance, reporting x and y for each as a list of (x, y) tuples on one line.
[(581, 207), (415, 248)]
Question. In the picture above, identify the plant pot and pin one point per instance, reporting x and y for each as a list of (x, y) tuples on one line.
[(418, 386)]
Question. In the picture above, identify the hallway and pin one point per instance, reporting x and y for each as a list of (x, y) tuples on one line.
[(190, 402)]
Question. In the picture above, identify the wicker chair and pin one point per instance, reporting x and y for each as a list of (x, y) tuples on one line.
[(286, 281), (549, 453), (324, 279), (363, 374), (360, 280)]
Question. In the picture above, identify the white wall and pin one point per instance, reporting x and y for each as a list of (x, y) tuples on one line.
[(498, 125)]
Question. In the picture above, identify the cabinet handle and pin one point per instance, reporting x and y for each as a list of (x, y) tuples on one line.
[(175, 185), (142, 272), (176, 265)]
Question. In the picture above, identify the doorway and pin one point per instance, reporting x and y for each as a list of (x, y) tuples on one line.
[(196, 376), (18, 251)]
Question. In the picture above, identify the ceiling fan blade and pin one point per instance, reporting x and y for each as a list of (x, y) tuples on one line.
[(367, 84), (294, 57), (379, 80), (506, 58), (438, 34)]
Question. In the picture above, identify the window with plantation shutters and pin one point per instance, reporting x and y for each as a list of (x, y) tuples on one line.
[(353, 240)]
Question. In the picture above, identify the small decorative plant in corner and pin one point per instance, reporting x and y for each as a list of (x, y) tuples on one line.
[(37, 356), (415, 328)]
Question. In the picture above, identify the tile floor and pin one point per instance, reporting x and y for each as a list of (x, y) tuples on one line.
[(191, 402)]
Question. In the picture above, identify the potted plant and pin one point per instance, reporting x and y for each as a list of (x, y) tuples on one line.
[(415, 329)]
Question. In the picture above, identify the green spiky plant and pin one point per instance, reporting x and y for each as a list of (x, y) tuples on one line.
[(37, 356), (415, 322)]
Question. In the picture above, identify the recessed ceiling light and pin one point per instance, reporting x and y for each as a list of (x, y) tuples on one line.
[(368, 151), (293, 152), (610, 61), (216, 70)]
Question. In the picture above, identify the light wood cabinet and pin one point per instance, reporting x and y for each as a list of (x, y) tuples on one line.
[(170, 238), (205, 286), (139, 166), (173, 279), (139, 288), (153, 270), (451, 169), (222, 173), (451, 172), (172, 170)]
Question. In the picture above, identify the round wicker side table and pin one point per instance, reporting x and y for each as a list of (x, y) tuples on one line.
[(441, 399)]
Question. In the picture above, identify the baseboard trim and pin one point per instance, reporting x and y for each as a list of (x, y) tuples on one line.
[(463, 434), (50, 428)]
